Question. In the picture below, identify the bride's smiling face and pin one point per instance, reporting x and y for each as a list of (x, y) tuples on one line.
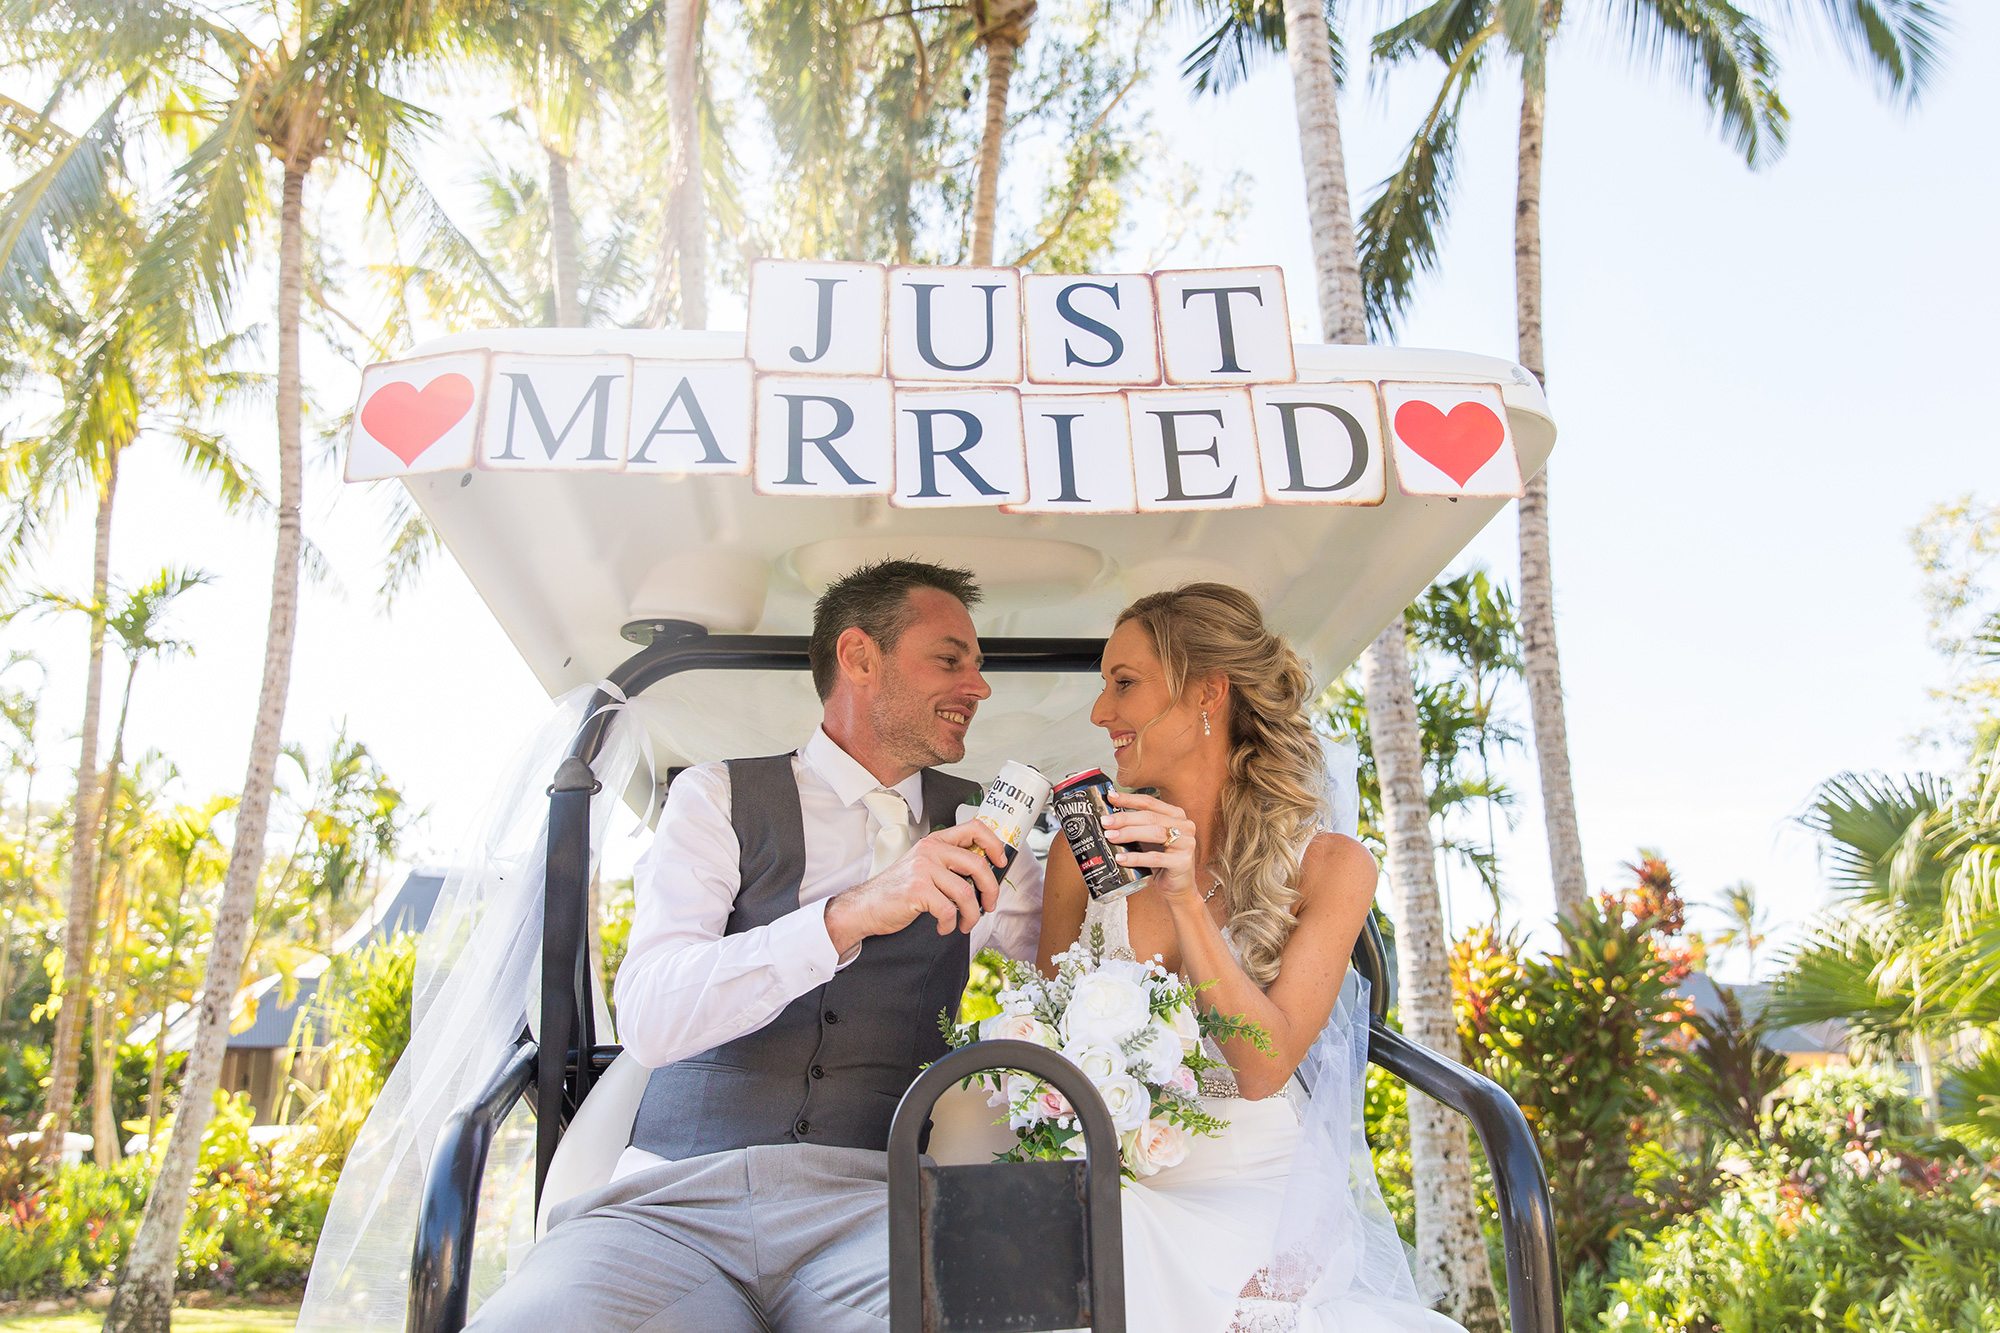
[(1136, 700)]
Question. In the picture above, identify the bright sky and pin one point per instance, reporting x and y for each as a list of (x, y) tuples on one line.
[(1762, 381)]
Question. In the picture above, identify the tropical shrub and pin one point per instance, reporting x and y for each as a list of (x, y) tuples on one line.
[(1581, 1039), (1870, 1248), (253, 1220)]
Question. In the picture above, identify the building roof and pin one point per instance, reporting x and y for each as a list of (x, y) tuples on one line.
[(1824, 1038)]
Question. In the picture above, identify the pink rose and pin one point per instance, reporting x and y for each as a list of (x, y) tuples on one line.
[(1052, 1103), (1157, 1145), (1183, 1081)]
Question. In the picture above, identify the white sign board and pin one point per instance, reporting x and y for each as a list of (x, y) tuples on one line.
[(951, 387)]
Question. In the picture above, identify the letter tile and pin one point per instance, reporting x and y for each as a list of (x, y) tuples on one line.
[(1224, 326), (823, 436), (690, 418), (1321, 443), (556, 413), (1194, 449), (958, 447), (420, 415), (1079, 454), (955, 325), (816, 319), (1090, 328)]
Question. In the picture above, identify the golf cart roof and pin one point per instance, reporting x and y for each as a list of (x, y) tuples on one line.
[(566, 560)]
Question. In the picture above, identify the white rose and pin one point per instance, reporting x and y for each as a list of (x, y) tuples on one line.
[(1186, 1027), (1016, 1027), (1104, 1010), (1157, 1145), (1158, 1053), (1127, 1100), (1128, 1152), (1098, 1063), (1124, 969)]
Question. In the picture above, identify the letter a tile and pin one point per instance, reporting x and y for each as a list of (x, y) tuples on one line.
[(690, 418)]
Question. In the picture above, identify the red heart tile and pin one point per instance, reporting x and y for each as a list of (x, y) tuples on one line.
[(408, 420), (1458, 444)]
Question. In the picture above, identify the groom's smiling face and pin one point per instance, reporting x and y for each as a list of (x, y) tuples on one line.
[(931, 683)]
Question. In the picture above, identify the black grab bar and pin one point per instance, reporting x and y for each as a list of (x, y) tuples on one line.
[(441, 1266)]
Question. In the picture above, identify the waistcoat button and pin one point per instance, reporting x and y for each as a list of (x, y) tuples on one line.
[(803, 1127), (832, 1017), (818, 1072)]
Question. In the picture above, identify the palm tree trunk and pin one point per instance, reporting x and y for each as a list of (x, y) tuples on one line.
[(81, 924), (103, 1018), (156, 1079), (1540, 666), (562, 241), (1332, 217), (1004, 30), (1450, 1248), (143, 1302), (687, 205)]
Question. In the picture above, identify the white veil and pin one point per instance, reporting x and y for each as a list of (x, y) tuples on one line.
[(1336, 1241), (480, 952)]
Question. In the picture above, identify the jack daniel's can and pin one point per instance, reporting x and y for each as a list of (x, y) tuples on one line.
[(1081, 807), (1014, 800)]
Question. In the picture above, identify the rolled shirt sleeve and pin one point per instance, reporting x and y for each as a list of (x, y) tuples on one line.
[(685, 986)]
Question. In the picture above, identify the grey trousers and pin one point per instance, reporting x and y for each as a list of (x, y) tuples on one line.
[(782, 1239)]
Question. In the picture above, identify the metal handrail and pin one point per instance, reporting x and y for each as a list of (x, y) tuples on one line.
[(441, 1263)]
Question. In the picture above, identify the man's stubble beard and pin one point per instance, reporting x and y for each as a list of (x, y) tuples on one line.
[(906, 725)]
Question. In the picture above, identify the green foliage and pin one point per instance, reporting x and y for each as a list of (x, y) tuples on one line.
[(253, 1219), (357, 1027), (1727, 1071), (1581, 1040), (982, 984), (1868, 1250)]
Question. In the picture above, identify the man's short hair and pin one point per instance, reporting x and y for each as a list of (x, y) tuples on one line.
[(875, 599)]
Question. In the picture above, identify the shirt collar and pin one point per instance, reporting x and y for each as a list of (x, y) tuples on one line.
[(849, 780)]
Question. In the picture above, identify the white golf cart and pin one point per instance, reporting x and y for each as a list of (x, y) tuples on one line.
[(699, 588)]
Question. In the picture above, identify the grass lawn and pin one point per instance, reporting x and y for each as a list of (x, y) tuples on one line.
[(249, 1319)]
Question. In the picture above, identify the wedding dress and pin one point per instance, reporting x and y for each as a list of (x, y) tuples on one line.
[(1276, 1225)]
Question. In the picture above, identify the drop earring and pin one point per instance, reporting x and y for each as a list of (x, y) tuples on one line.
[(1204, 723)]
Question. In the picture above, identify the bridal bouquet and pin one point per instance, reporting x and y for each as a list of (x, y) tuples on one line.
[(1132, 1028)]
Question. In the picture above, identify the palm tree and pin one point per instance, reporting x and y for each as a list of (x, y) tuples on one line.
[(1723, 53), (1749, 923), (308, 87), (187, 847), (118, 380), (1886, 961), (1001, 29), (684, 234)]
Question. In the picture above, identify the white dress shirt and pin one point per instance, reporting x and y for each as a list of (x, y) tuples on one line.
[(686, 987)]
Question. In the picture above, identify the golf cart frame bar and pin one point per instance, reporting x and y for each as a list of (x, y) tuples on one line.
[(558, 1072)]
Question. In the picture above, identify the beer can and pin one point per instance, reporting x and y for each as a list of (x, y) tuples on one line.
[(1081, 808), (1014, 800)]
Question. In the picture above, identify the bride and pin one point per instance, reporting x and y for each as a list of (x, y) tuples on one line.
[(1277, 1223)]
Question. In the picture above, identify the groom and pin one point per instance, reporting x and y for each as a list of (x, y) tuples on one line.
[(796, 933)]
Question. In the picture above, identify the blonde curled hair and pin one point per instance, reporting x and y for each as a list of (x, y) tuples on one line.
[(1271, 800)]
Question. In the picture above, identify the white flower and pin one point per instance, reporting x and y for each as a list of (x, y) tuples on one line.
[(1127, 1100), (1098, 1063), (1104, 1010), (1015, 1003), (1017, 1027), (1024, 1108), (1155, 1146), (1186, 1027), (1158, 1053), (1124, 969)]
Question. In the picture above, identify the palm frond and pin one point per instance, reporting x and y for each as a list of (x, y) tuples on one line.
[(1721, 51), (68, 194), (1246, 33), (1398, 230), (1899, 41)]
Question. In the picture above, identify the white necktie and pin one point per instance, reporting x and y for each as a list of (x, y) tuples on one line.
[(892, 838)]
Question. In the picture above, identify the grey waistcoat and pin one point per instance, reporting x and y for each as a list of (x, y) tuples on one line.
[(832, 1065)]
